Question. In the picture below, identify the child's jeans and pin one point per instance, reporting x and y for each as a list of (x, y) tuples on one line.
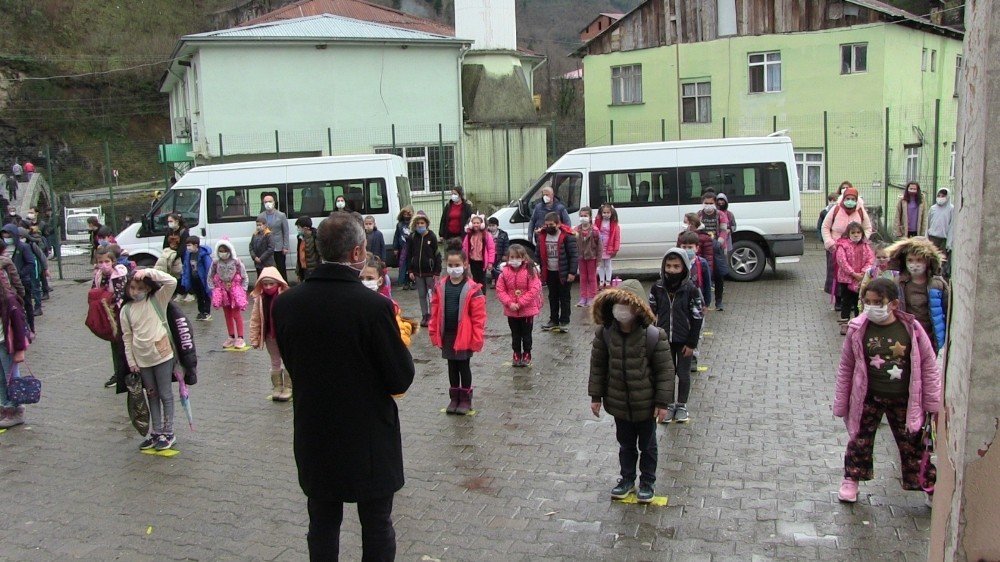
[(629, 435), (559, 295), (848, 303), (234, 321), (588, 279), (271, 345), (520, 334), (201, 294), (157, 382), (6, 365), (604, 272), (682, 366)]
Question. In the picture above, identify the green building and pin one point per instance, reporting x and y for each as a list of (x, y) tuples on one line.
[(866, 91)]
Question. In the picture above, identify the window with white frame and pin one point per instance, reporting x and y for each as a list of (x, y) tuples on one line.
[(854, 58), (764, 72), (696, 102), (951, 165), (626, 84), (809, 167), (934, 60), (912, 163), (923, 60), (428, 167), (958, 72)]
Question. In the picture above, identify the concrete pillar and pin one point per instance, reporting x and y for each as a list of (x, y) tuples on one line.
[(966, 517)]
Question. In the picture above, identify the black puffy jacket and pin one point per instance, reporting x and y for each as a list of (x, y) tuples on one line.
[(681, 314)]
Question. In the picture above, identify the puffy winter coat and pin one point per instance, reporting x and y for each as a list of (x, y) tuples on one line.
[(925, 393), (852, 258), (471, 333), (588, 243), (680, 315), (423, 256), (836, 221), (567, 253), (523, 286), (614, 243), (629, 383), (489, 247), (204, 265), (258, 318)]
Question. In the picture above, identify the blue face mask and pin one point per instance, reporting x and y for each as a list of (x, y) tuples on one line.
[(421, 229)]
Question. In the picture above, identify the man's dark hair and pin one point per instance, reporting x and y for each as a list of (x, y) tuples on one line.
[(688, 237), (708, 194), (338, 235), (304, 222), (493, 220), (886, 289), (553, 217), (93, 221)]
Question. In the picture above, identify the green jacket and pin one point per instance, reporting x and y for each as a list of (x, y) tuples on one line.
[(621, 376)]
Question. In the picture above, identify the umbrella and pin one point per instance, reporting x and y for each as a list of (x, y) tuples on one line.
[(182, 389)]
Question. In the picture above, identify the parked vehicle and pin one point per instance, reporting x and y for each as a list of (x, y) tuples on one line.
[(76, 222), (652, 185), (224, 200)]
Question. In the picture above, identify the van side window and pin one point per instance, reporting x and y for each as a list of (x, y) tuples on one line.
[(240, 204), (568, 187), (318, 199), (187, 202), (742, 183), (634, 188)]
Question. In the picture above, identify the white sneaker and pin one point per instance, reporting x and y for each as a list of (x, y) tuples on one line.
[(188, 298)]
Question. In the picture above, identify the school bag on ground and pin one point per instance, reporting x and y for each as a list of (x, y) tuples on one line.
[(23, 390)]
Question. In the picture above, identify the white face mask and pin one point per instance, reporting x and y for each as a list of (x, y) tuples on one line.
[(515, 263), (456, 272), (622, 313), (455, 198), (584, 220), (877, 314), (224, 255), (138, 296), (546, 199), (370, 283), (856, 238), (341, 204), (171, 225), (708, 208), (916, 268), (942, 201), (269, 205)]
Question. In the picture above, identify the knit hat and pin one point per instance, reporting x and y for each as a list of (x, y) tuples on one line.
[(630, 292)]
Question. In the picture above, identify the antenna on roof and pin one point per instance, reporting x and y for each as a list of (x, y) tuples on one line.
[(781, 133)]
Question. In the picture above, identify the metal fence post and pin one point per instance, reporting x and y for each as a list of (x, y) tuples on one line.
[(394, 137), (222, 156), (506, 132), (826, 156), (277, 147), (612, 131), (111, 192), (774, 124), (663, 130), (723, 127), (329, 141), (441, 161), (885, 184), (937, 138), (55, 215)]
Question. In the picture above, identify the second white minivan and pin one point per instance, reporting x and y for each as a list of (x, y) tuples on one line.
[(652, 186), (224, 200)]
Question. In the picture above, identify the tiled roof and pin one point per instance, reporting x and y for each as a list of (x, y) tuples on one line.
[(323, 26), (355, 9)]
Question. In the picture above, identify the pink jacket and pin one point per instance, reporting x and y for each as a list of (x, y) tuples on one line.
[(489, 247), (517, 285), (614, 235), (836, 221), (852, 258), (852, 376)]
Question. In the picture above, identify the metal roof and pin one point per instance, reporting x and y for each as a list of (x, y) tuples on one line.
[(324, 26), (355, 9)]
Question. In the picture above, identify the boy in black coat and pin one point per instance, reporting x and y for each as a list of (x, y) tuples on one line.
[(680, 311)]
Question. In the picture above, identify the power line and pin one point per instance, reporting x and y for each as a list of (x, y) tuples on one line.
[(97, 73)]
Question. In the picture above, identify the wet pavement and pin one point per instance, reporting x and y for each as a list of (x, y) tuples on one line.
[(753, 476)]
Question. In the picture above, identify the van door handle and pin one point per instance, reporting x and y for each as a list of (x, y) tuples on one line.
[(203, 231)]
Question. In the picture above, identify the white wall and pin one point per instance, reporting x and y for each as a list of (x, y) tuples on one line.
[(490, 23)]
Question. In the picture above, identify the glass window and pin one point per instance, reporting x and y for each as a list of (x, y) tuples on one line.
[(923, 60), (240, 204), (934, 60), (912, 163), (951, 166), (429, 168), (187, 202), (854, 58), (742, 183), (634, 188), (958, 73), (809, 167), (765, 72), (403, 191), (566, 185), (626, 84), (696, 100)]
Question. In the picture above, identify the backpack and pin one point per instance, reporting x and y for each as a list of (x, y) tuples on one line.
[(181, 339), (652, 337), (101, 317)]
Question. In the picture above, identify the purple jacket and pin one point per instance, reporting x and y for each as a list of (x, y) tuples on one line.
[(852, 376)]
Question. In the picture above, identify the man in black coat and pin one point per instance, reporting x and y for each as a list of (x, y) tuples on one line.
[(342, 348)]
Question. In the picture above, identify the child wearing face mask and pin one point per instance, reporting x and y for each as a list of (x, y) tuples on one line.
[(501, 243), (479, 246), (853, 255), (519, 290), (196, 263), (228, 283), (632, 376), (262, 335), (262, 247), (922, 291), (373, 277), (148, 349), (701, 274), (376, 242), (887, 368), (588, 243), (307, 253), (607, 227), (112, 277), (400, 241), (458, 326), (170, 260), (881, 270), (680, 311), (716, 224), (425, 262)]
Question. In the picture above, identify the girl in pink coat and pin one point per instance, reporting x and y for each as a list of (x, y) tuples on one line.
[(519, 290), (887, 366), (853, 256), (228, 283), (479, 246)]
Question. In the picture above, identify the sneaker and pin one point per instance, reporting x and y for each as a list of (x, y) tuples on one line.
[(526, 359), (848, 491), (623, 489), (645, 493), (230, 342), (563, 323), (670, 413), (165, 441), (549, 325), (207, 316), (425, 320), (582, 303), (516, 361), (718, 306), (240, 343), (681, 413), (200, 316), (188, 298), (694, 364), (112, 382), (45, 296), (178, 298), (148, 442), (843, 329)]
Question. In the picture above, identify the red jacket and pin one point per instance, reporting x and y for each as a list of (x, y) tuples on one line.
[(614, 235), (706, 247), (471, 317)]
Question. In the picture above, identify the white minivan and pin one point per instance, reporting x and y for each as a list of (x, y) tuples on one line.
[(652, 186), (224, 200)]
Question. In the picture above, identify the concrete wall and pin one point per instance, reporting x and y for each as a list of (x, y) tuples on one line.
[(485, 162)]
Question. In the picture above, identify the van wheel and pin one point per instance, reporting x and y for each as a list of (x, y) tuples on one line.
[(747, 261), (144, 260)]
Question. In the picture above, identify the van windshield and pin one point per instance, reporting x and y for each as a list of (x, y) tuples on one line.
[(187, 202), (566, 185)]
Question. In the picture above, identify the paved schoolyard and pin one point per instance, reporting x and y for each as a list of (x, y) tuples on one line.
[(753, 476)]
